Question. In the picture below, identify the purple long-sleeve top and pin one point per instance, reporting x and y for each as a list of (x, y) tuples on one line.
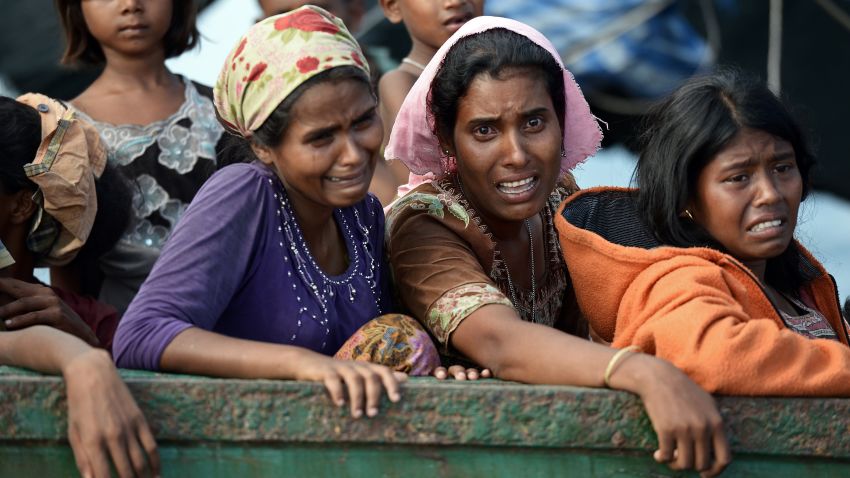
[(237, 264)]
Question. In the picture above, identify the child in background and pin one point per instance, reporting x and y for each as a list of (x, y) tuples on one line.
[(160, 129), (429, 25)]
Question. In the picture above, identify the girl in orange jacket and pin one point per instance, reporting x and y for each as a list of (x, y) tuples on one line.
[(700, 266)]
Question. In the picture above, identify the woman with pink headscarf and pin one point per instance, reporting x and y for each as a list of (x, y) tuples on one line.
[(498, 123)]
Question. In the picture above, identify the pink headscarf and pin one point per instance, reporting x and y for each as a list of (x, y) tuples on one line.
[(413, 142)]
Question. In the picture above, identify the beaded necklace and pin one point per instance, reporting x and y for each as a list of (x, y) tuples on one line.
[(413, 63), (319, 285), (511, 288)]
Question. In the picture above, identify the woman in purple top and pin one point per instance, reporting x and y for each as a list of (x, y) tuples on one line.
[(277, 263)]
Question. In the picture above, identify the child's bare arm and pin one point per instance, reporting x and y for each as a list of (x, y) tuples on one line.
[(389, 175), (392, 89)]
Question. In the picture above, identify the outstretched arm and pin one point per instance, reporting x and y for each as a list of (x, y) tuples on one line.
[(442, 282), (689, 427), (104, 422)]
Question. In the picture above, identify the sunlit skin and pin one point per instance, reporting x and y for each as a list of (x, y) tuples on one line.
[(753, 181), (326, 160)]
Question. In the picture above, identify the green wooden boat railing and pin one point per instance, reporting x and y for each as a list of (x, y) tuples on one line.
[(213, 427)]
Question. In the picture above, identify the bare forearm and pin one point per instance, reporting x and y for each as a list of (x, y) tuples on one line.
[(40, 348), (495, 338), (197, 351)]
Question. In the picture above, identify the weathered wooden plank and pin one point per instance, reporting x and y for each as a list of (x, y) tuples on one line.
[(222, 427)]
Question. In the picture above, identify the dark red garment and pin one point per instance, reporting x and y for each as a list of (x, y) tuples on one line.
[(101, 318)]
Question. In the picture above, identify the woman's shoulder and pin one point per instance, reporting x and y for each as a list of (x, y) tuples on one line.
[(437, 199), (238, 179), (437, 211)]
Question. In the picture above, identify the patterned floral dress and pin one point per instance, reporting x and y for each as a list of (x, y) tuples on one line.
[(167, 162)]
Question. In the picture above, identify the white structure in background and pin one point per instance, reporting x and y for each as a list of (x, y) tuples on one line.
[(221, 25)]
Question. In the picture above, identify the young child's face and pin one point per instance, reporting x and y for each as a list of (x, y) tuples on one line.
[(129, 28), (432, 22)]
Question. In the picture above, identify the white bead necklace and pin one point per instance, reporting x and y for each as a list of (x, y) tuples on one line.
[(413, 63), (323, 288)]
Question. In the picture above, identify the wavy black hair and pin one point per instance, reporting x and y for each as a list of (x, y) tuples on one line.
[(685, 131)]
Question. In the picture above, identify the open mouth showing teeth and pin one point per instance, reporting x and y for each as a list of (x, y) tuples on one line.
[(766, 225), (337, 179), (517, 187)]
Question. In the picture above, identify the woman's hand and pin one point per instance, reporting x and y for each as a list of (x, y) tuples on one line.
[(459, 372), (35, 304), (685, 417), (363, 382), (104, 422)]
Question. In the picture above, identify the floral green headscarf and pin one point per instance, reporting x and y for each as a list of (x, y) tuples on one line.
[(273, 58)]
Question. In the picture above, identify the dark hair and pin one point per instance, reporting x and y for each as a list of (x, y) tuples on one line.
[(19, 141), (684, 132), (490, 52), (20, 137), (82, 47)]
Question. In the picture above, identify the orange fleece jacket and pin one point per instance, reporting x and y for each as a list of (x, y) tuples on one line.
[(702, 310)]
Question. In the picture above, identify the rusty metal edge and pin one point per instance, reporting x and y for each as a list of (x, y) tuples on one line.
[(185, 409)]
